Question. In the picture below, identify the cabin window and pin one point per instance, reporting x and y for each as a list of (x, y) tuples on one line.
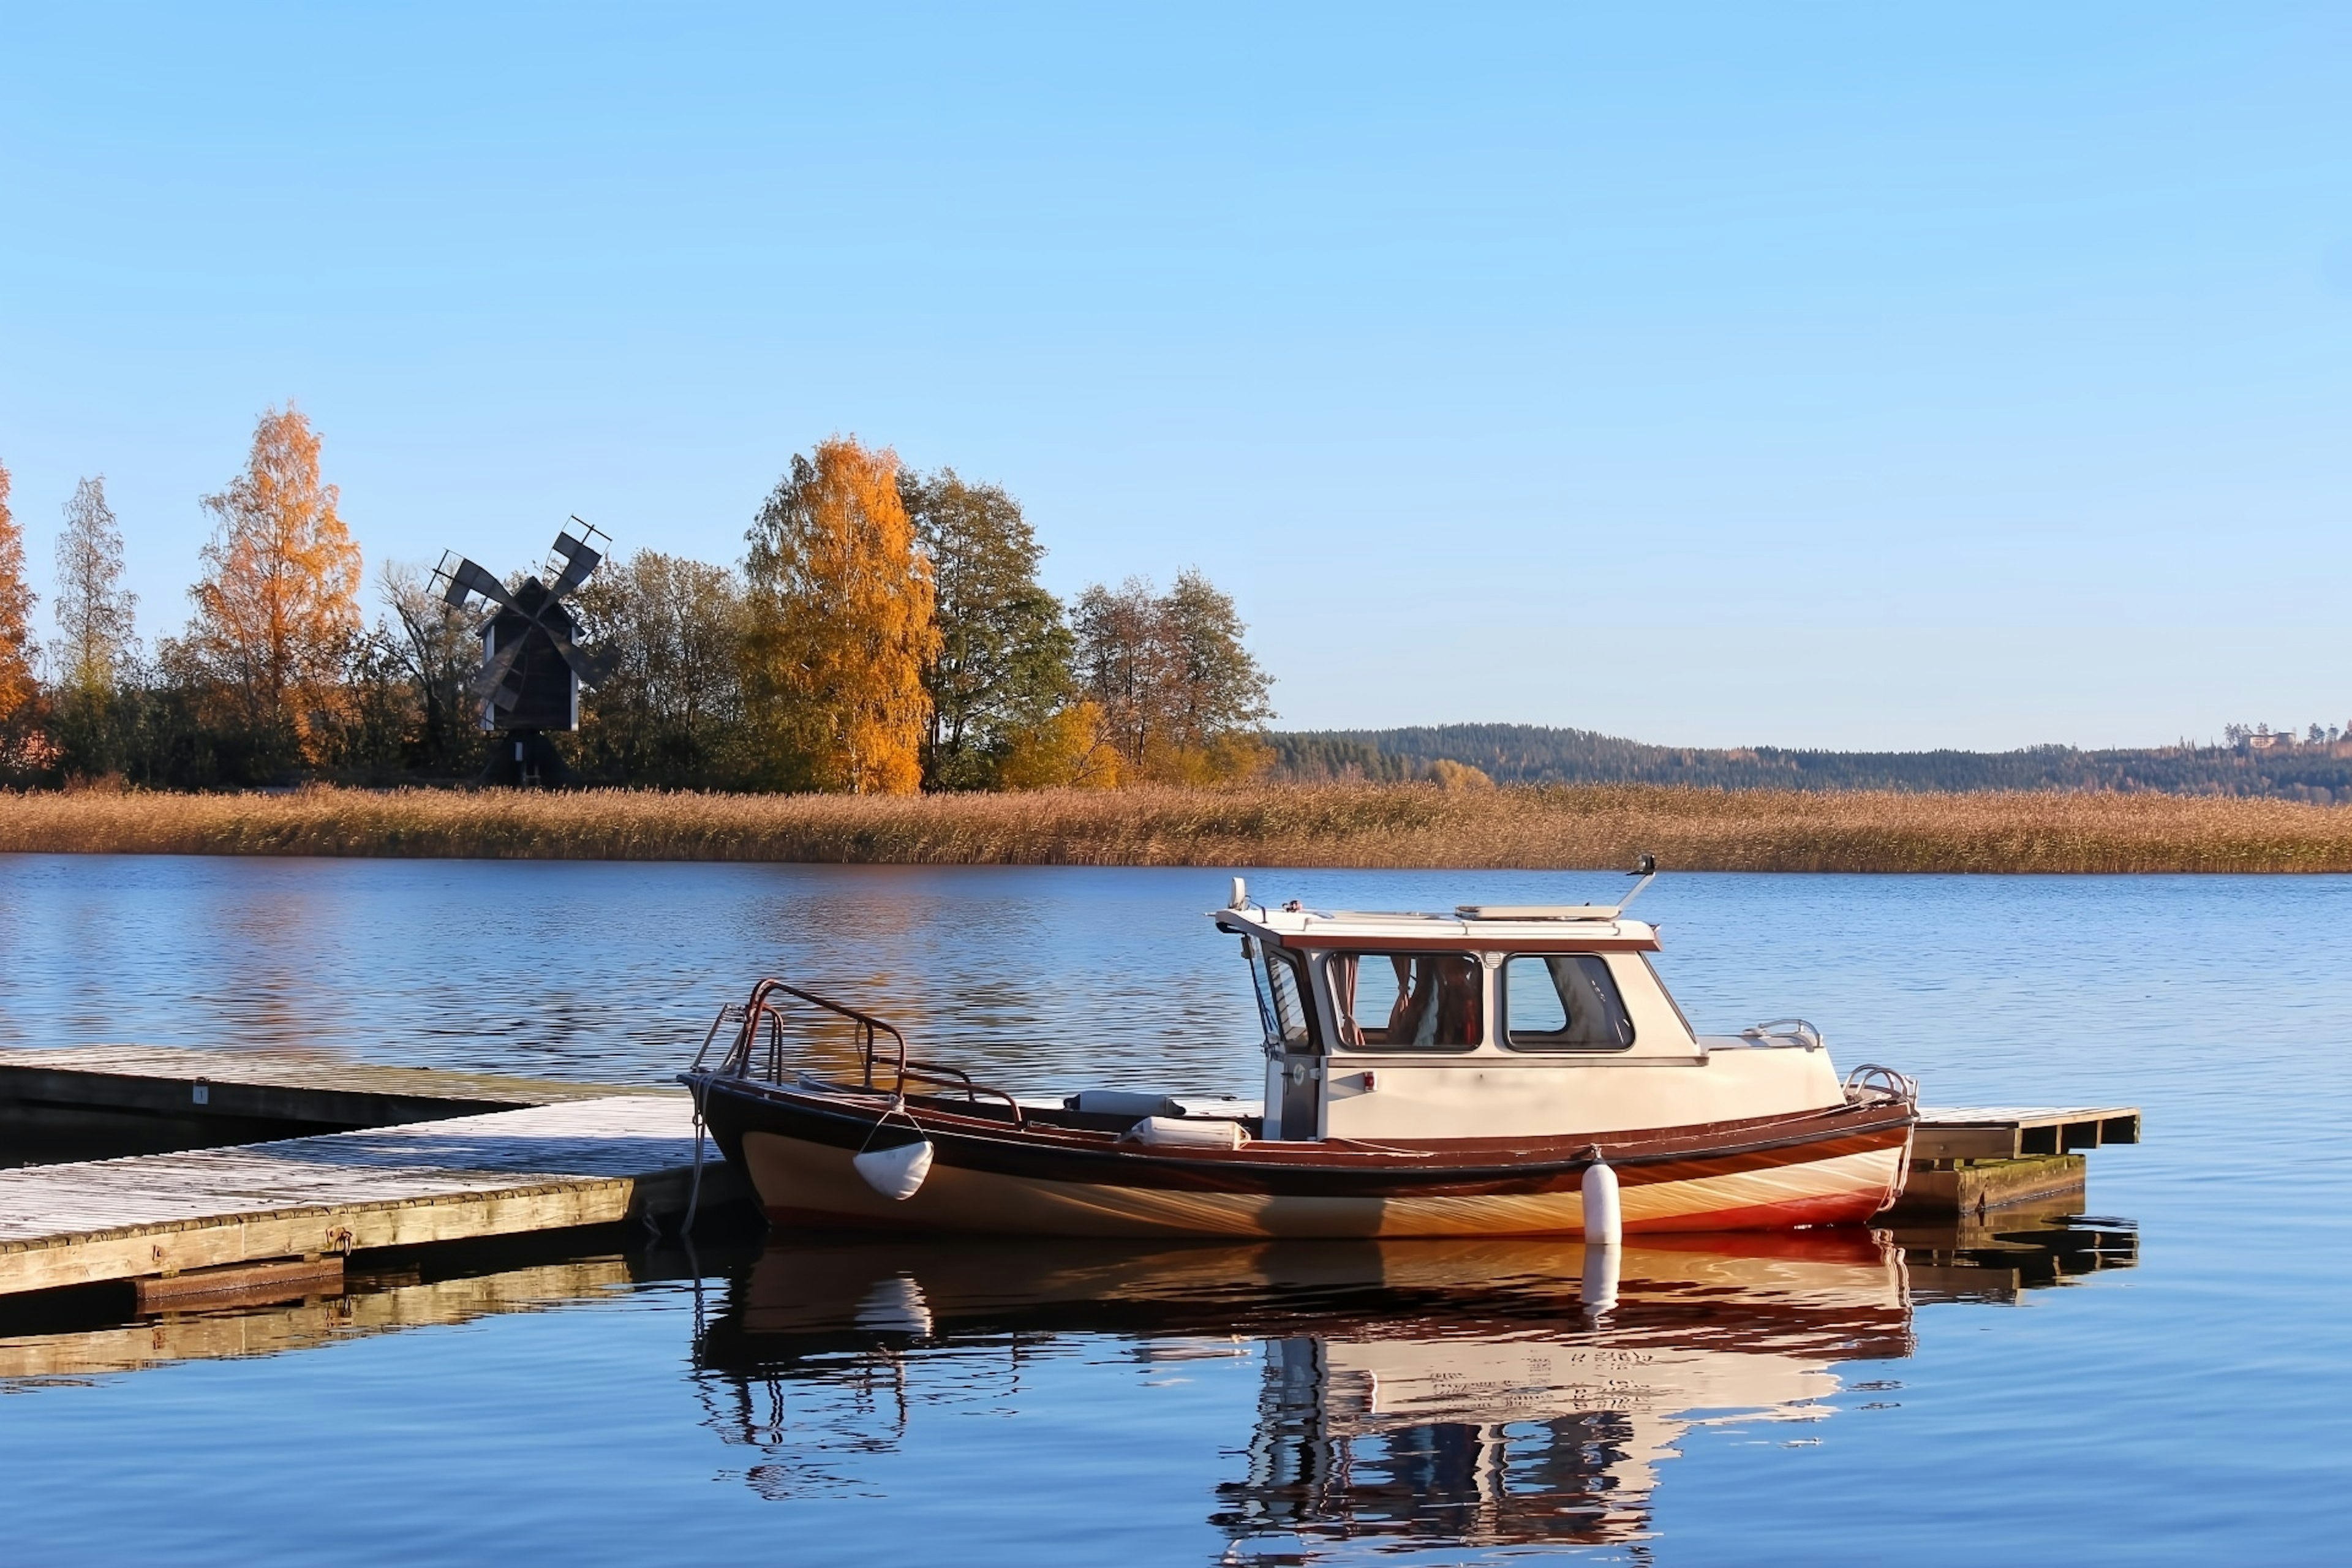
[(1563, 1002), (1282, 992), (1407, 1001)]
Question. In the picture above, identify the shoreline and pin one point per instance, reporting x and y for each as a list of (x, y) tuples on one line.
[(1320, 827)]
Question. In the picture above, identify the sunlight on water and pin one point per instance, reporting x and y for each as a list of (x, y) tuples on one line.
[(2169, 1383)]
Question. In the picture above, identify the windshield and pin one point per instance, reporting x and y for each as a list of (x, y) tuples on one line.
[(1563, 1002)]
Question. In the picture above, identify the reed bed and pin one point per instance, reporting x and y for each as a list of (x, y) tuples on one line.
[(1402, 827)]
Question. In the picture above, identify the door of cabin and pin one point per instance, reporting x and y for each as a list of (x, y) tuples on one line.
[(1293, 1049)]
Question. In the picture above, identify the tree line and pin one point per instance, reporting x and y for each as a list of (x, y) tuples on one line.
[(1529, 754), (885, 631)]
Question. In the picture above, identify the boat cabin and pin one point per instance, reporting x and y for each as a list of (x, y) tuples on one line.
[(1495, 1022)]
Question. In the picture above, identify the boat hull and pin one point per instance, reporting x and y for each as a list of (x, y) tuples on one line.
[(1829, 1167)]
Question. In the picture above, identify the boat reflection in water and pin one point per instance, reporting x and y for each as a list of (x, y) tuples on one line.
[(1483, 1392)]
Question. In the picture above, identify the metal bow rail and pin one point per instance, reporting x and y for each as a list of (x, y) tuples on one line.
[(763, 1013)]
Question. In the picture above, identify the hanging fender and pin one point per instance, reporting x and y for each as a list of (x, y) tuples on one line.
[(896, 1173)]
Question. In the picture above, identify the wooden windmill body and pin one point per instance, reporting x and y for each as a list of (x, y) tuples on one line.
[(533, 668)]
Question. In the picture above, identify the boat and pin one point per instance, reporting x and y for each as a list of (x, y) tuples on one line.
[(1487, 1071)]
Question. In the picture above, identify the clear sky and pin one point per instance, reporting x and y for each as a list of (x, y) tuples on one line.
[(1835, 375)]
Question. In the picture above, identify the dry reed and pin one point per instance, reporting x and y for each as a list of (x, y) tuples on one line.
[(1410, 825)]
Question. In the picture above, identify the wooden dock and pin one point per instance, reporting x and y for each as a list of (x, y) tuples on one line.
[(576, 1162), (2014, 1133), (1973, 1162), (71, 1102)]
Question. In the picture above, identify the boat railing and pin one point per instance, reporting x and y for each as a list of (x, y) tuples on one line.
[(1871, 1084), (761, 1019), (1795, 1029)]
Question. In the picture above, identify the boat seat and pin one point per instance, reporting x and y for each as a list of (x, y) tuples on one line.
[(1134, 1104)]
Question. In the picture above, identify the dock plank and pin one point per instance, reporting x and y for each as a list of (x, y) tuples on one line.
[(292, 1070), (2014, 1132), (575, 1163)]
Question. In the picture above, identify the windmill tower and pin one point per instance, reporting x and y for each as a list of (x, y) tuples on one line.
[(532, 671)]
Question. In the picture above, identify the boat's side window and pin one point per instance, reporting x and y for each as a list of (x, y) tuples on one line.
[(1563, 1002), (1285, 996), (1407, 1001)]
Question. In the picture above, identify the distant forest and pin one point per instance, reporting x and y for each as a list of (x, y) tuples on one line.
[(1529, 754)]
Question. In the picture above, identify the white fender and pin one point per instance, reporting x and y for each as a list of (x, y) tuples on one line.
[(1173, 1133), (1604, 1219), (896, 1173)]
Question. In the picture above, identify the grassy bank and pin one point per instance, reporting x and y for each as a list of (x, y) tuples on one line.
[(1402, 826)]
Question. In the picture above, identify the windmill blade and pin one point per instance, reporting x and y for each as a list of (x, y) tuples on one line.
[(590, 665), (579, 557), (466, 579), (493, 679)]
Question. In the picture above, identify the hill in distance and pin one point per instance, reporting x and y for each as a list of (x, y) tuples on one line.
[(1530, 754)]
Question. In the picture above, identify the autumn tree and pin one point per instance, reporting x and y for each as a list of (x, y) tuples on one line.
[(1001, 676), (1069, 748), (839, 626), (671, 711), (94, 613), (1181, 697), (277, 609), (19, 687)]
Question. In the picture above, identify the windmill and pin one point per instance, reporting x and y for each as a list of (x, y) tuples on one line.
[(532, 671)]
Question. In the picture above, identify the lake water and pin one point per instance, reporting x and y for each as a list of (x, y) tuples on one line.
[(2169, 1380)]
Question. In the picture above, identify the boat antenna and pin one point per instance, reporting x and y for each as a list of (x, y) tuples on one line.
[(1645, 868)]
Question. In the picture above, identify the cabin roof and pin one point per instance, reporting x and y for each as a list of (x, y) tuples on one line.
[(1473, 928)]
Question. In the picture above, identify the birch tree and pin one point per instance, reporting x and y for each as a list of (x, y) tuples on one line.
[(839, 626)]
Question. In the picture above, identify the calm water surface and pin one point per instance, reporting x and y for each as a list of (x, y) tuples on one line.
[(1821, 1398)]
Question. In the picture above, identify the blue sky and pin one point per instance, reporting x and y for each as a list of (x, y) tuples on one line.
[(1798, 374)]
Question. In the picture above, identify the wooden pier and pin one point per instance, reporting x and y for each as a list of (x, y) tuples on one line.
[(155, 1099), (489, 1157), (1972, 1163)]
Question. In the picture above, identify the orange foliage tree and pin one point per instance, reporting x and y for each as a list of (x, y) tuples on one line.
[(277, 609), (18, 686), (840, 627)]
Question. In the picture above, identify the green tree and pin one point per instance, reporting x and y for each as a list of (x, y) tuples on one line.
[(671, 710), (1003, 663)]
